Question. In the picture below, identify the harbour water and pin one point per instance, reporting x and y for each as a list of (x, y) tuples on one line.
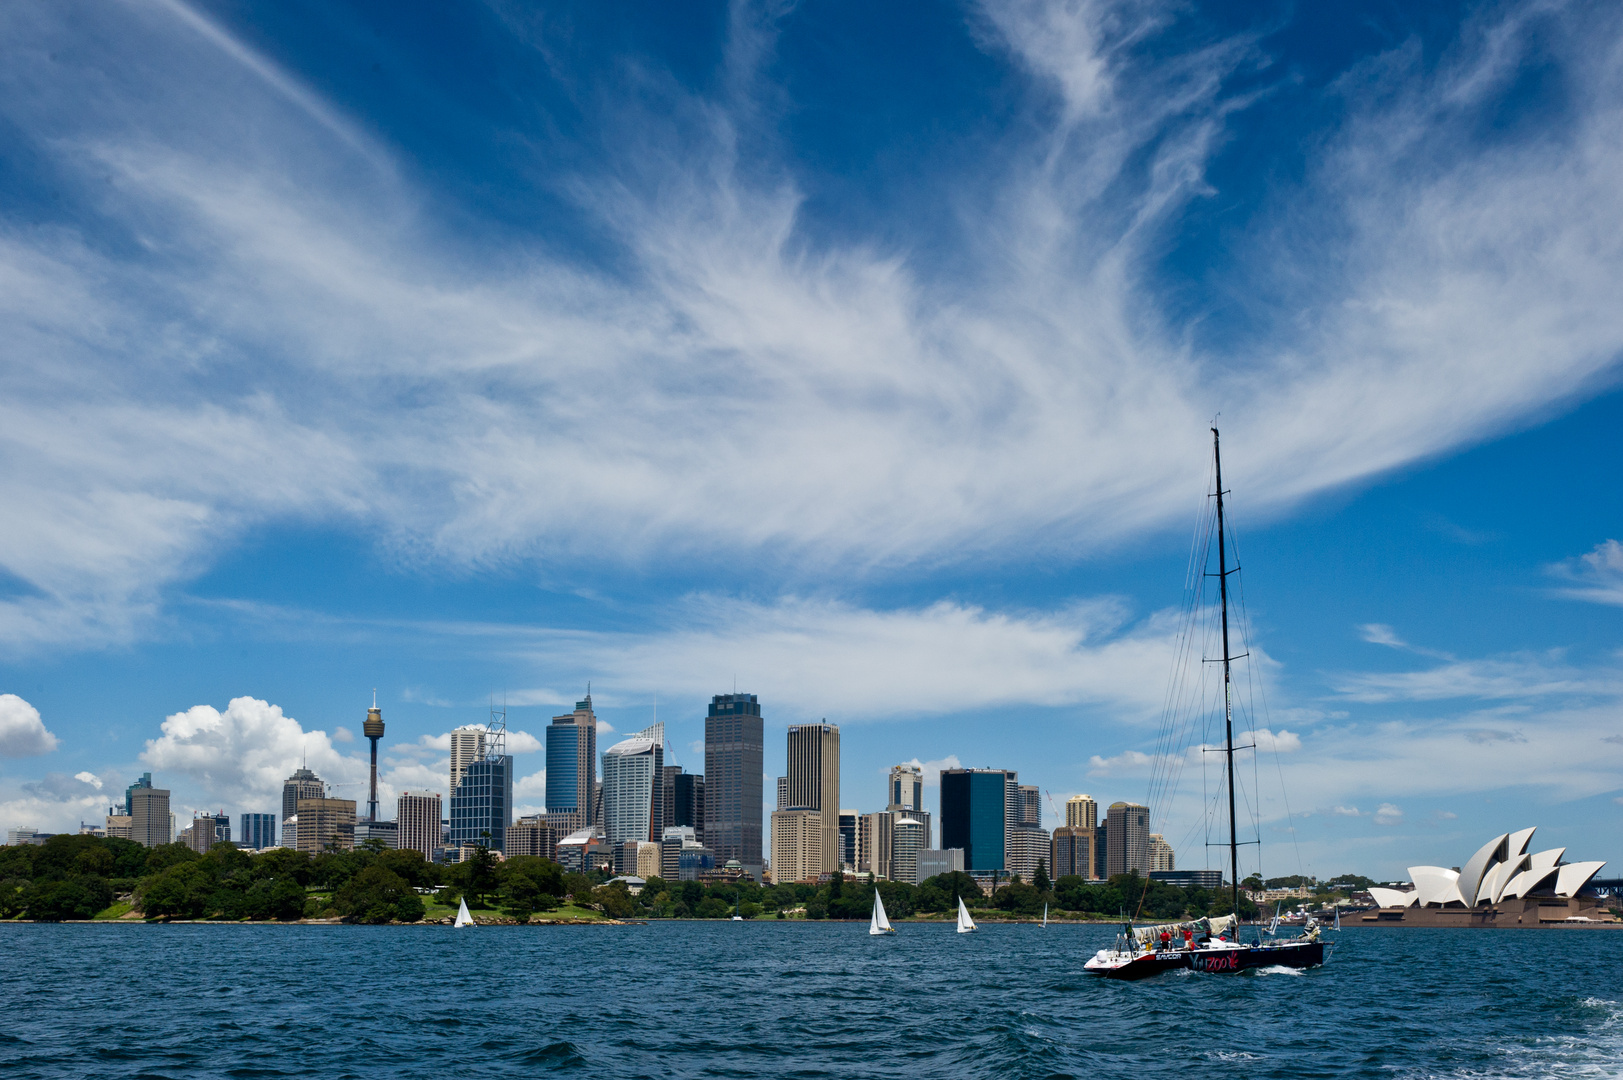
[(697, 999)]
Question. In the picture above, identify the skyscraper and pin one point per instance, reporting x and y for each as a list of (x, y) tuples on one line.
[(467, 747), (797, 845), (1161, 856), (482, 803), (685, 800), (150, 822), (129, 792), (734, 749), (1071, 852), (631, 780), (905, 793), (325, 823), (303, 784), (814, 782), (848, 838), (418, 820), (906, 841), (572, 762), (1081, 812), (258, 831), (373, 730), (975, 808), (1127, 839)]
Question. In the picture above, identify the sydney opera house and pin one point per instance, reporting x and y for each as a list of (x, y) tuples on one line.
[(1502, 885)]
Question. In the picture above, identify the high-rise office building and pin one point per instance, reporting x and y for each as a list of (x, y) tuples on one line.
[(783, 793), (385, 834), (848, 839), (532, 835), (258, 831), (199, 835), (905, 793), (1101, 849), (797, 845), (325, 824), (129, 792), (1071, 853), (632, 808), (1127, 839), (1161, 856), (874, 835), (1031, 806), (1028, 845), (467, 747), (976, 805), (303, 784), (687, 802), (482, 804), (1081, 812), (734, 750), (933, 862), (118, 823), (814, 782), (572, 762), (151, 824), (906, 841), (417, 820)]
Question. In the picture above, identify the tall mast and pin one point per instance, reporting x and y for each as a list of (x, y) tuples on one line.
[(1228, 694)]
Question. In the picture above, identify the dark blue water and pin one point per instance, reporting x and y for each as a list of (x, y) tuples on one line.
[(795, 1000)]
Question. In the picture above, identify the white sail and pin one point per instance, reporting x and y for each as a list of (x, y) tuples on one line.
[(879, 924), (462, 916), (1045, 916), (965, 923)]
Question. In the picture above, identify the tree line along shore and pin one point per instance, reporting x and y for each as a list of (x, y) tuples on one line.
[(80, 877)]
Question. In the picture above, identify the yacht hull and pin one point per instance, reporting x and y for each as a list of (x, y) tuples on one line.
[(1292, 954)]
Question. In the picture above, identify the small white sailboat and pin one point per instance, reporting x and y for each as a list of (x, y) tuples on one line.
[(966, 925), (1045, 916), (462, 916), (879, 925)]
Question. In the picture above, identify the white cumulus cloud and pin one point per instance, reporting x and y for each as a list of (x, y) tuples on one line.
[(22, 732)]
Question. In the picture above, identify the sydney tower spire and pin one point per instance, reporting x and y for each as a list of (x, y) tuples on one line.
[(373, 730)]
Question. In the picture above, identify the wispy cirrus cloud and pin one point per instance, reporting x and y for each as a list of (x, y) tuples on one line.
[(296, 338), (1596, 577)]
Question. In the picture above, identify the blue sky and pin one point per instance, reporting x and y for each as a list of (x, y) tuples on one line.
[(863, 356)]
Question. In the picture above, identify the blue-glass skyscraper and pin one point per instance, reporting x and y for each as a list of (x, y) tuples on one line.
[(572, 762), (258, 831), (974, 816)]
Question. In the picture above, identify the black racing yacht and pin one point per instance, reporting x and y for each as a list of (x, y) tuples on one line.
[(1211, 945)]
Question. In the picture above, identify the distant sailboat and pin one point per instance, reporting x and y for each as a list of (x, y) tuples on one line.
[(1045, 916), (966, 925), (879, 924), (462, 916)]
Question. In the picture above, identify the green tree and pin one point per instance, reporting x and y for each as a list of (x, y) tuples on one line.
[(378, 895), (529, 884), (712, 908), (1040, 879), (77, 897), (281, 898), (164, 856), (13, 897), (615, 900), (182, 891)]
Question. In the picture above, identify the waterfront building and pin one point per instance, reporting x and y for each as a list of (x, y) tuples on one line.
[(572, 762), (905, 792), (532, 835), (326, 824), (976, 805), (1190, 879), (386, 833), (1502, 885), (734, 750), (797, 845), (118, 824), (1161, 854), (1028, 845), (303, 784), (1071, 852), (417, 821), (1081, 812), (467, 747), (258, 831), (906, 841), (670, 848), (814, 782), (482, 804), (936, 861), (632, 809), (151, 823), (1127, 839)]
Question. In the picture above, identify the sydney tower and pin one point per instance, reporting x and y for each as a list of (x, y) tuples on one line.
[(373, 730)]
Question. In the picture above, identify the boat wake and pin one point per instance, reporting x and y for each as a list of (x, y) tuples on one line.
[(1279, 969)]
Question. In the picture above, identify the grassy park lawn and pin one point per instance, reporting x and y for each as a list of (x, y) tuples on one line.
[(433, 909)]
